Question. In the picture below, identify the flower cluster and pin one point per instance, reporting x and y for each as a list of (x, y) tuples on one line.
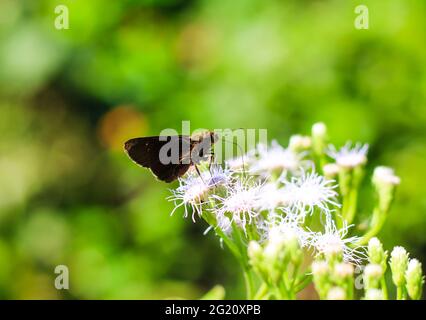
[(278, 208)]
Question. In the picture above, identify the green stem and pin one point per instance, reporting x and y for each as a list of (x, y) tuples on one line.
[(212, 222), (280, 290), (302, 283), (284, 287), (261, 292), (234, 249), (399, 293), (350, 289), (402, 293), (377, 223), (248, 280), (295, 271), (384, 288), (350, 205), (278, 293)]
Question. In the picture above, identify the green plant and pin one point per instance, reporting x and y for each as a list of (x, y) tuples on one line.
[(287, 215)]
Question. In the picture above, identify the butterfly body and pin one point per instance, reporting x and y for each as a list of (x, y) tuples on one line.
[(185, 152)]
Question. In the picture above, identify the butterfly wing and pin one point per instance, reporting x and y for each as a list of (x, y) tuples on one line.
[(146, 152), (170, 172)]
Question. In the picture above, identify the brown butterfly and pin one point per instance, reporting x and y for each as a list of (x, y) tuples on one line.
[(170, 157)]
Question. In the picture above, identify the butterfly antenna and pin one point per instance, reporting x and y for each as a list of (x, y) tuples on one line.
[(199, 174), (242, 154)]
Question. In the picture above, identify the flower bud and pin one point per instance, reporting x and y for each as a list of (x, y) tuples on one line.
[(343, 272), (254, 253), (275, 246), (319, 138), (385, 176), (372, 276), (299, 143), (333, 252), (385, 182), (414, 279), (336, 293), (274, 255), (319, 130), (376, 254), (320, 272), (373, 294), (292, 246), (320, 269), (398, 264), (331, 170)]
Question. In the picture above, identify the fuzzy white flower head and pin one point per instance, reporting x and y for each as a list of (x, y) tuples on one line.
[(287, 227), (241, 201), (192, 192), (272, 196), (348, 156), (385, 176), (332, 241), (309, 191), (217, 176), (242, 162), (276, 158), (238, 163), (331, 169)]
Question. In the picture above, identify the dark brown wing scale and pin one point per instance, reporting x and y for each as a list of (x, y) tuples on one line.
[(146, 152)]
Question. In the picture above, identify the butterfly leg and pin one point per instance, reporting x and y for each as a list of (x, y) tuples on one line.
[(199, 173), (211, 162)]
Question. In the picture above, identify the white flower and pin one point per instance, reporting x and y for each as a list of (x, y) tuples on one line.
[(348, 157), (217, 176), (272, 196), (276, 158), (286, 227), (241, 202), (192, 192), (332, 241), (241, 163), (331, 170), (193, 189), (385, 176), (309, 191)]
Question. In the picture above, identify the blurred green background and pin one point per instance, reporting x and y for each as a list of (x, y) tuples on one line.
[(69, 98)]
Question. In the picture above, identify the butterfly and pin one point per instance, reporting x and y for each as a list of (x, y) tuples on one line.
[(170, 157)]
